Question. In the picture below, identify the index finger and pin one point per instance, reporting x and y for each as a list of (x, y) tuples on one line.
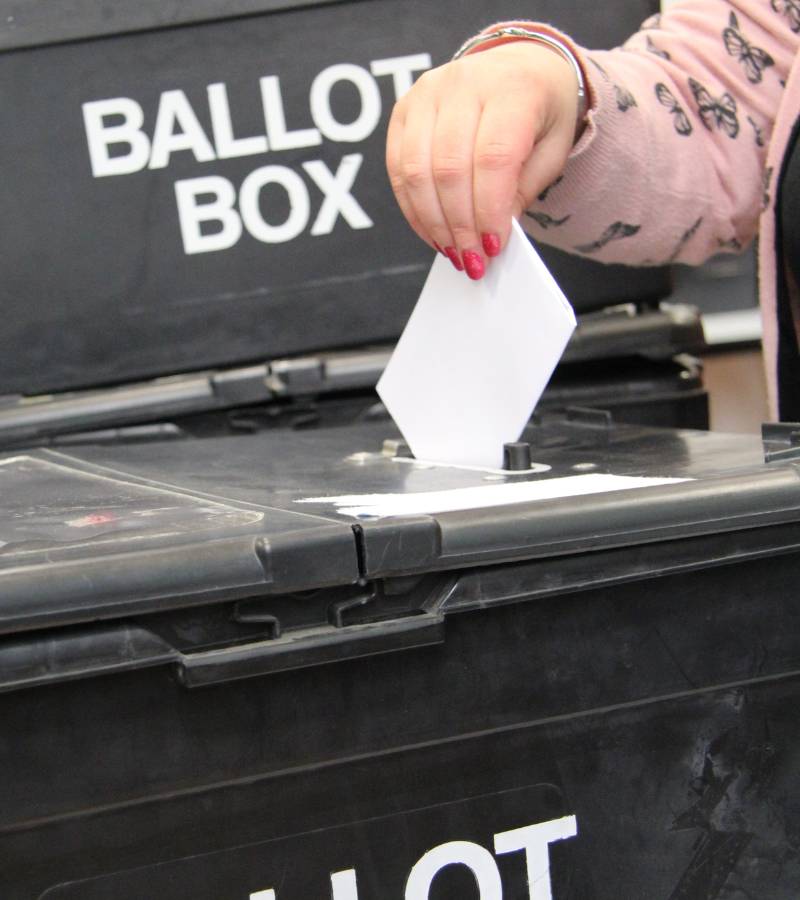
[(394, 168)]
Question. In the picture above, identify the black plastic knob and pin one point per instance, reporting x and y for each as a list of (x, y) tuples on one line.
[(516, 456)]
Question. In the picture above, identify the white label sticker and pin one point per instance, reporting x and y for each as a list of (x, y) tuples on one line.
[(379, 505)]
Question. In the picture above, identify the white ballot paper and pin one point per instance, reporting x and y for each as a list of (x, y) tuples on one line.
[(476, 356)]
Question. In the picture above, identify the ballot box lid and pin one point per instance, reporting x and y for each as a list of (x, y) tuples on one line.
[(311, 527)]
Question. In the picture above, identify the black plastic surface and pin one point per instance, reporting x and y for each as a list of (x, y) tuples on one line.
[(32, 23), (282, 688), (99, 546), (631, 350), (660, 714)]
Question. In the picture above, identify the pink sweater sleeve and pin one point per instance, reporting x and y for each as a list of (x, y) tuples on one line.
[(671, 164)]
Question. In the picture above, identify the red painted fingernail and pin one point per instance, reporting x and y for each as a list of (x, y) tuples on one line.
[(491, 244), (452, 255), (473, 263)]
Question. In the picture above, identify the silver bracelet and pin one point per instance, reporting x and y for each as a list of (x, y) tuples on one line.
[(524, 35)]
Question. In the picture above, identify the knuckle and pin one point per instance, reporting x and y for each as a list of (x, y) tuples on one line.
[(432, 79), (425, 81), (414, 173), (396, 182), (463, 234), (450, 169), (496, 157)]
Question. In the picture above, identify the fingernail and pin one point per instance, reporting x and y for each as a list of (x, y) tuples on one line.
[(452, 255), (473, 263), (491, 244), (439, 249)]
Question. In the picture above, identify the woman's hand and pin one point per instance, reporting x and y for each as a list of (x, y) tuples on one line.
[(473, 143)]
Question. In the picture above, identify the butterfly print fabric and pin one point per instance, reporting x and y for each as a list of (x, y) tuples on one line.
[(766, 179), (680, 120), (790, 9), (599, 68), (754, 59), (759, 132), (614, 232), (543, 196), (687, 235), (678, 177), (715, 112), (625, 99), (545, 221), (651, 47)]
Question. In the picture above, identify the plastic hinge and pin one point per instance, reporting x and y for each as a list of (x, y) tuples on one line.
[(290, 377), (355, 369), (240, 386)]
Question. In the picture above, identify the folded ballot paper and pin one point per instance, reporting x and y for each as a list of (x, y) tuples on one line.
[(476, 356)]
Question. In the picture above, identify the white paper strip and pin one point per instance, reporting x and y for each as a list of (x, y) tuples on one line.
[(478, 497)]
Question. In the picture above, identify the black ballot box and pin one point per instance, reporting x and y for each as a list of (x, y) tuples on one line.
[(297, 665), (199, 188), (250, 649)]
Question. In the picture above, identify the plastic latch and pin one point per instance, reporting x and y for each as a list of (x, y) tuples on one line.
[(252, 612), (310, 647), (337, 611), (781, 441)]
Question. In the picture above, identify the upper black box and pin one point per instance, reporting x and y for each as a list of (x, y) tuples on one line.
[(210, 189)]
